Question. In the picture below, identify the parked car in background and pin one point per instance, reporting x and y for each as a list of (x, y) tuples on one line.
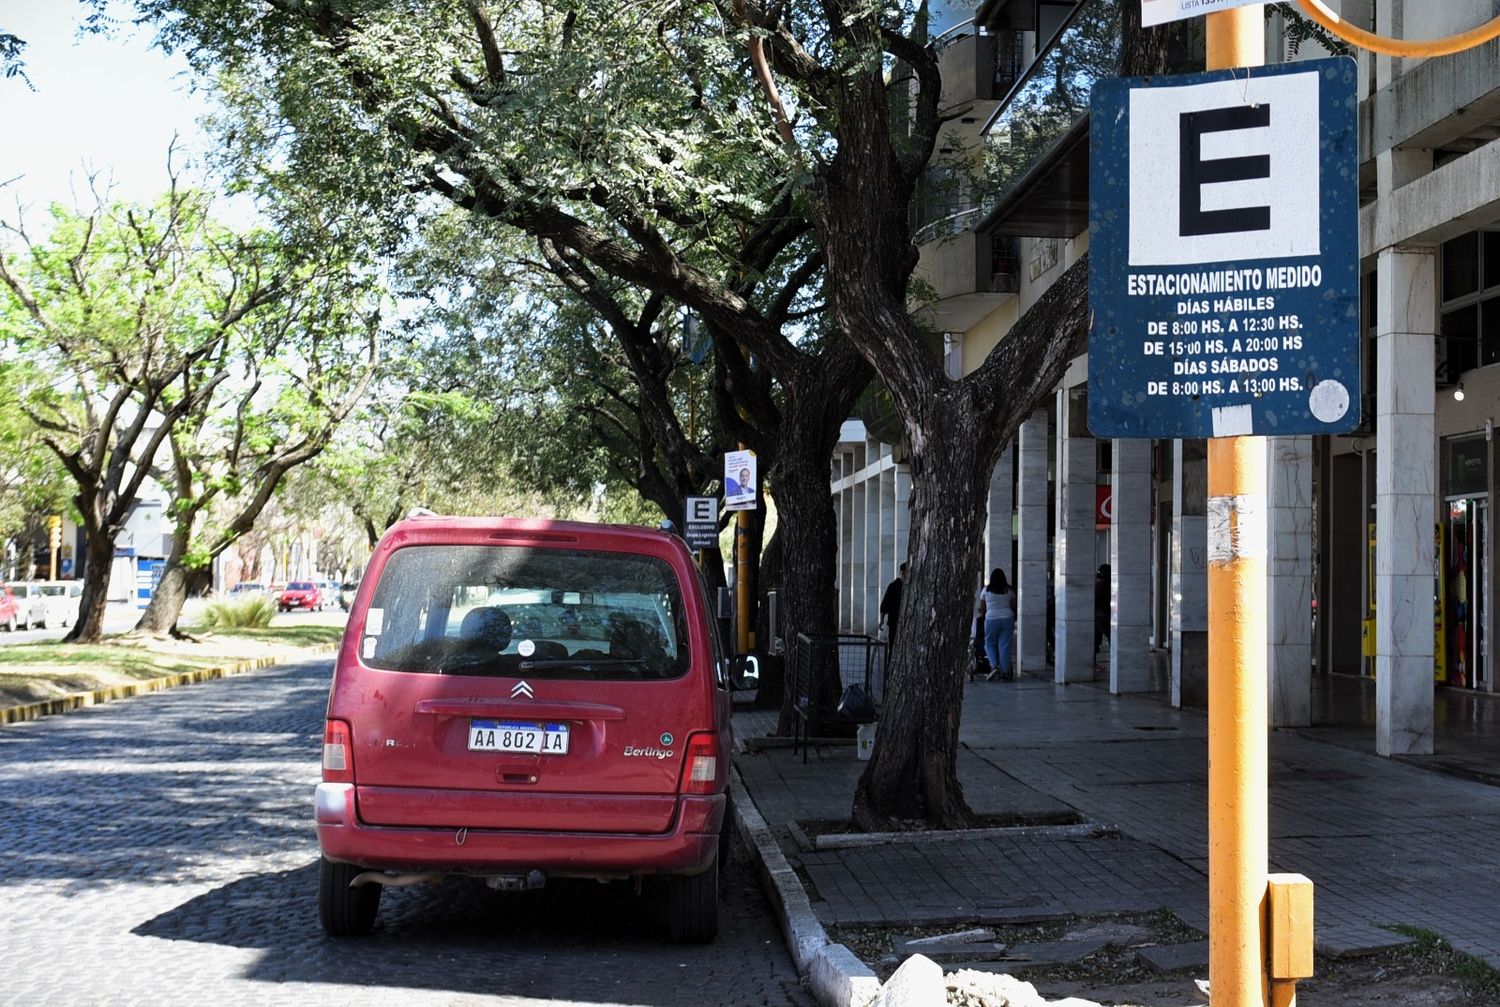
[(247, 588), (553, 693), (328, 593), (346, 594), (9, 610), (31, 610), (62, 599), (303, 594)]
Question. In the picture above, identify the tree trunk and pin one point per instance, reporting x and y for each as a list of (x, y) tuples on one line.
[(808, 529), (90, 625), (912, 775), (772, 666), (160, 617)]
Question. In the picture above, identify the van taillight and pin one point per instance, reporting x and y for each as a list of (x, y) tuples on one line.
[(701, 772), (338, 753)]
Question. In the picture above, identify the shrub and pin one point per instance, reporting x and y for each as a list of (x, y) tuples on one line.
[(246, 613)]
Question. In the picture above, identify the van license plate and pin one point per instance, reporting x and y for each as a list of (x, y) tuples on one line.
[(511, 736)]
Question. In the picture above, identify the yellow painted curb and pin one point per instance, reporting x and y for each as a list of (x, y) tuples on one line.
[(79, 700)]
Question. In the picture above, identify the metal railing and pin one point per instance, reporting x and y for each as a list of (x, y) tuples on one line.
[(855, 659)]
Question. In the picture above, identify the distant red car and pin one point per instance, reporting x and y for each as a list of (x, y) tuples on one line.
[(10, 609), (300, 594), (520, 700)]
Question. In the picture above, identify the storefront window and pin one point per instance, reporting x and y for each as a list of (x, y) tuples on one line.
[(1465, 475)]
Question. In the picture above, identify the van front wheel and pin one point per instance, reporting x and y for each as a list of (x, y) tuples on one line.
[(693, 906), (345, 911)]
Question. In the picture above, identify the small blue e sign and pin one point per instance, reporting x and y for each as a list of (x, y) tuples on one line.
[(1224, 253)]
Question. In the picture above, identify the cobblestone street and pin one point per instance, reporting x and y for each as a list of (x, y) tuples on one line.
[(160, 850)]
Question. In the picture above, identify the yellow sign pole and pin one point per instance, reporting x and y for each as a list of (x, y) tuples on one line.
[(54, 540), (742, 580), (1238, 835)]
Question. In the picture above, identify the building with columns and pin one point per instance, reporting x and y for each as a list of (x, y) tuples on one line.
[(1380, 550)]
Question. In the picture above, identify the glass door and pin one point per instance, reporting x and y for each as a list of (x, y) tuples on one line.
[(1465, 544)]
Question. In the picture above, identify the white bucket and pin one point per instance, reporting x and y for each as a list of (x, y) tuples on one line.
[(865, 740)]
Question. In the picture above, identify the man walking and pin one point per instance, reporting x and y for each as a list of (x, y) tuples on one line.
[(890, 604)]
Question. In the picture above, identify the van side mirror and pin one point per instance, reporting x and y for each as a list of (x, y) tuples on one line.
[(744, 672)]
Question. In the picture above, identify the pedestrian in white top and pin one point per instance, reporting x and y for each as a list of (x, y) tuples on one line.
[(999, 623)]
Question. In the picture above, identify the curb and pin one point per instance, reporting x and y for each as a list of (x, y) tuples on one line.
[(834, 974), (79, 700), (836, 977)]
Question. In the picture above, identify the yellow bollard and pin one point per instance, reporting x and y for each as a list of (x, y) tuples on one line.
[(1291, 935)]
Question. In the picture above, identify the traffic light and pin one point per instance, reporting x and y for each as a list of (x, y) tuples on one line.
[(54, 531)]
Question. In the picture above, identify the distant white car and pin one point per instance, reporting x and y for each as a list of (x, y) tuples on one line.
[(246, 588), (31, 606), (62, 600)]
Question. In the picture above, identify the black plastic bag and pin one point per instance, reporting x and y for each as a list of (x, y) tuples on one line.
[(856, 707)]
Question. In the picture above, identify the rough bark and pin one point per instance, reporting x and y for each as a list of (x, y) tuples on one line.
[(101, 545), (912, 777), (165, 607), (160, 617), (816, 404)]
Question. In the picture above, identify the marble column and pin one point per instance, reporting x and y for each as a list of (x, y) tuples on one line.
[(1031, 565), (888, 545), (846, 545), (903, 510), (998, 535), (874, 582), (1073, 565), (1189, 615), (1130, 567), (1289, 571), (1405, 487)]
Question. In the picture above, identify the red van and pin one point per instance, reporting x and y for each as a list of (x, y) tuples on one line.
[(523, 699)]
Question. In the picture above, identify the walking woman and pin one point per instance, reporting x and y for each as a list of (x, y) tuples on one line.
[(999, 623)]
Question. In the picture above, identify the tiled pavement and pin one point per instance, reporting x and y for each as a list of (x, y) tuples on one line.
[(1385, 842)]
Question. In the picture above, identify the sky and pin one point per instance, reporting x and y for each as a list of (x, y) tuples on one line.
[(109, 104)]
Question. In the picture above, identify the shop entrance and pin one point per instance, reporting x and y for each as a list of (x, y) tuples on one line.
[(1465, 601)]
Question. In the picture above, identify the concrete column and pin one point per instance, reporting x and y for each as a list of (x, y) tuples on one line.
[(1405, 487), (903, 511), (1130, 567), (1289, 569), (1189, 616), (874, 582), (888, 561), (998, 535), (846, 546), (1031, 572), (1073, 570), (857, 568)]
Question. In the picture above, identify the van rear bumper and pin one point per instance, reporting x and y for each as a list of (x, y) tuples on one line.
[(687, 847)]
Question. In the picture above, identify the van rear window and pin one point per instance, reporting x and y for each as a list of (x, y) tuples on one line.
[(523, 611)]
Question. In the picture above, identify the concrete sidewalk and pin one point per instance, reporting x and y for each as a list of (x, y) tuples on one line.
[(1384, 842)]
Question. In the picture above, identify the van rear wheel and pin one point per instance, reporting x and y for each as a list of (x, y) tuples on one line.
[(693, 906), (345, 911)]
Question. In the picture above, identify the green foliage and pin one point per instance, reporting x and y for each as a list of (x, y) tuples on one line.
[(33, 483), (244, 613), (1301, 29), (11, 63)]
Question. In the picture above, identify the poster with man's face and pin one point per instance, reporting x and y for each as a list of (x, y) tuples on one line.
[(739, 480)]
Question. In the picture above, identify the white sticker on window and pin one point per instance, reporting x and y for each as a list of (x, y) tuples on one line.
[(526, 648), (375, 621), (369, 650)]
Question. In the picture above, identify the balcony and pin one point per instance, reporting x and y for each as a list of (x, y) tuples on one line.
[(977, 69), (1036, 143), (970, 274)]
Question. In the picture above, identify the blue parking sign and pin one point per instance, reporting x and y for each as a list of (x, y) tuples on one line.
[(1224, 253)]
